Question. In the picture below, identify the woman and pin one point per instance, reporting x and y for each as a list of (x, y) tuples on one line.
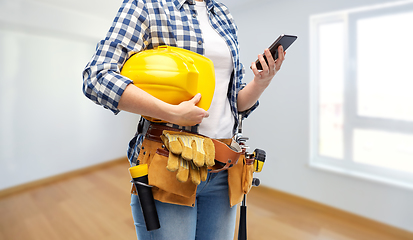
[(205, 27)]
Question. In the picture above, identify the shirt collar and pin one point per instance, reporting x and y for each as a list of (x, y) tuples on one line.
[(180, 3), (210, 5)]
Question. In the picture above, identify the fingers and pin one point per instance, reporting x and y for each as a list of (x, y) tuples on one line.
[(262, 61), (254, 68), (203, 171), (209, 149), (198, 152), (173, 162), (195, 100), (194, 172), (173, 143), (187, 113), (186, 145), (281, 57), (272, 67), (266, 68), (183, 170), (271, 61)]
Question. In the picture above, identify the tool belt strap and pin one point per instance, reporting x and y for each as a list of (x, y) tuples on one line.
[(226, 156)]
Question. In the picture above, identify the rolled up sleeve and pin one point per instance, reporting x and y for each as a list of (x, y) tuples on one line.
[(102, 82)]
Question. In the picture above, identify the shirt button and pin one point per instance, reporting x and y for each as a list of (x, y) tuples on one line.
[(199, 42)]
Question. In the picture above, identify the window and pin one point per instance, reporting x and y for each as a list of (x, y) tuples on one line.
[(362, 92)]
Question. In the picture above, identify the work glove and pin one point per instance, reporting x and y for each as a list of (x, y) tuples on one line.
[(189, 154)]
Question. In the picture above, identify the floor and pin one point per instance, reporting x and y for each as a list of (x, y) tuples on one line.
[(95, 205)]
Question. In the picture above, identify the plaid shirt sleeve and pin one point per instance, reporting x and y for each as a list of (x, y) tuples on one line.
[(102, 82)]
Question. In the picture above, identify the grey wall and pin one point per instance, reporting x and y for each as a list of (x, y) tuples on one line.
[(281, 124)]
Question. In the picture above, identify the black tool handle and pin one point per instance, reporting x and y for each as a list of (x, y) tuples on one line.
[(242, 230), (147, 203)]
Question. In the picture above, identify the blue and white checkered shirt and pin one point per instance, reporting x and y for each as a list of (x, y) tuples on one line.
[(145, 24)]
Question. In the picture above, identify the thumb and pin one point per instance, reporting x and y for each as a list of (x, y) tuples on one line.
[(196, 99)]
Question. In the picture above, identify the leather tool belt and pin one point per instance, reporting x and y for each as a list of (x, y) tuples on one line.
[(226, 156)]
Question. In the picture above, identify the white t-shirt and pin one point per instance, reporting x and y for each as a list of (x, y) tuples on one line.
[(220, 122)]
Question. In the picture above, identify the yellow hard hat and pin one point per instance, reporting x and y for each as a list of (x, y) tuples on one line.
[(172, 74)]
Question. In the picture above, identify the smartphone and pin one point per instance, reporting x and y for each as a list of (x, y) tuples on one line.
[(284, 40)]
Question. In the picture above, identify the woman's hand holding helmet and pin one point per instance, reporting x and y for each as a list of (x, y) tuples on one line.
[(187, 113)]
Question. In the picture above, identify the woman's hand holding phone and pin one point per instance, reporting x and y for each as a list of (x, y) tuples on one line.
[(269, 70)]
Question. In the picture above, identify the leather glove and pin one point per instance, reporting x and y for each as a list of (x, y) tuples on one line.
[(189, 155)]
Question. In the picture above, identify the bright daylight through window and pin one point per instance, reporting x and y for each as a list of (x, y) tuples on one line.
[(362, 92)]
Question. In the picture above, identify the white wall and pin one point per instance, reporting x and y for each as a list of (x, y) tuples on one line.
[(47, 125), (281, 124)]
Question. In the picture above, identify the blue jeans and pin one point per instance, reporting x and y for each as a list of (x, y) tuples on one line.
[(210, 218)]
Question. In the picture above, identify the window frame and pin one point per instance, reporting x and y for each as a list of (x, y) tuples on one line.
[(351, 119)]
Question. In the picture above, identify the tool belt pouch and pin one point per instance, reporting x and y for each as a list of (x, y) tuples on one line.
[(239, 180), (166, 188), (247, 175)]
